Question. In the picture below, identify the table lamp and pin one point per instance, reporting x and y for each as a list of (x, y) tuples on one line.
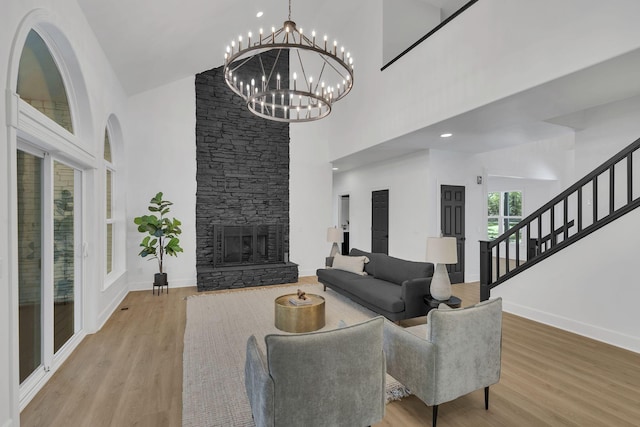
[(334, 235), (441, 251)]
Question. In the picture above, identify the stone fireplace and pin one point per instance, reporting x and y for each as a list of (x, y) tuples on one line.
[(242, 199), (248, 245)]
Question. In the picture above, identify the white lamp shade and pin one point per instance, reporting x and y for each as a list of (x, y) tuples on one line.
[(334, 235), (442, 250)]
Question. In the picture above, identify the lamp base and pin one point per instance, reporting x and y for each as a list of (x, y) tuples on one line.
[(440, 284), (335, 249)]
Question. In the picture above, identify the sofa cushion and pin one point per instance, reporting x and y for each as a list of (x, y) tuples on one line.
[(379, 293), (353, 264), (370, 267), (398, 270)]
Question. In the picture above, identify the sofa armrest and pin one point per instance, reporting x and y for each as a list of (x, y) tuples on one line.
[(413, 292), (410, 360), (258, 384)]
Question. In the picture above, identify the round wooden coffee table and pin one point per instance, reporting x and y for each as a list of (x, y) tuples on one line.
[(299, 318)]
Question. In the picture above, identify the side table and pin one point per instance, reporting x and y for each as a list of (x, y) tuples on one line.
[(453, 302)]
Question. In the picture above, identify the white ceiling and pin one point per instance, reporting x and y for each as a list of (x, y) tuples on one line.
[(153, 42)]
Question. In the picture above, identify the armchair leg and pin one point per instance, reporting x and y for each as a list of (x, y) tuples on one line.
[(486, 398), (434, 417)]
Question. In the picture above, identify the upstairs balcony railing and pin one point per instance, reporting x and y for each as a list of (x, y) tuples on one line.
[(607, 193)]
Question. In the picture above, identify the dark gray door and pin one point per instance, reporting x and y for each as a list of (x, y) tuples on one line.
[(380, 221), (452, 224)]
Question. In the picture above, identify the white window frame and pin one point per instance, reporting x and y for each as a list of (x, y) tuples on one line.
[(501, 217)]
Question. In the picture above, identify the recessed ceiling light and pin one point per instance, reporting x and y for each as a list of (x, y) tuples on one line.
[(259, 14), (446, 135), (334, 168)]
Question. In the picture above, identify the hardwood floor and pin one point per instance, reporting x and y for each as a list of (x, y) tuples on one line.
[(130, 373)]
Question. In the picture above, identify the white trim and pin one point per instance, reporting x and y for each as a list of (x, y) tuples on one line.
[(8, 423), (111, 308), (591, 331), (58, 360), (148, 285)]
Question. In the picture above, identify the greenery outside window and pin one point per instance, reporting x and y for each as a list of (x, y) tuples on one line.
[(504, 211)]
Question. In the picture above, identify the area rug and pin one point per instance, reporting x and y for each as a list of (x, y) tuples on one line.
[(215, 338)]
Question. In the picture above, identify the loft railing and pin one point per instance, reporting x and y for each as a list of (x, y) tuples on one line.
[(430, 33), (607, 193)]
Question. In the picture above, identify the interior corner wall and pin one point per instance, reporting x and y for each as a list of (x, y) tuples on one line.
[(310, 203), (410, 204), (460, 169), (160, 152)]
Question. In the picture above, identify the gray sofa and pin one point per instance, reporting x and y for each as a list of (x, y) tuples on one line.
[(393, 287)]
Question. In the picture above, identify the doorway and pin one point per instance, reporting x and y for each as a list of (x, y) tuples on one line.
[(380, 221), (452, 219), (344, 223)]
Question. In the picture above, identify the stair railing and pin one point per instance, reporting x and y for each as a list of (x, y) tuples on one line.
[(599, 198)]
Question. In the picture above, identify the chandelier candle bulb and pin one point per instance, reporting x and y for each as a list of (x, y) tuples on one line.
[(300, 53)]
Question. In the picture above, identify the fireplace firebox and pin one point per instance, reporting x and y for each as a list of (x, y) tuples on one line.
[(248, 245)]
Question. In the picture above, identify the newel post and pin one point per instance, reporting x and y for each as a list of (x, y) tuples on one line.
[(485, 270)]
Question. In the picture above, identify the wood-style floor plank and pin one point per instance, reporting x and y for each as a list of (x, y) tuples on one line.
[(130, 373)]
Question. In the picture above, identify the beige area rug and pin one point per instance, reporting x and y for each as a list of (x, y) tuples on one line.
[(215, 338)]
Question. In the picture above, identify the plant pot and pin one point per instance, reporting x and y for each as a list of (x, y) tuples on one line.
[(160, 280)]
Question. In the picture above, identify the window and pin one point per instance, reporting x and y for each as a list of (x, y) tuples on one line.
[(504, 211), (40, 83), (109, 178)]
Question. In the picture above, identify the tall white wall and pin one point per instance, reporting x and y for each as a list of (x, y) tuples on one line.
[(407, 179), (105, 97), (494, 49), (161, 156), (403, 23), (310, 199), (589, 288)]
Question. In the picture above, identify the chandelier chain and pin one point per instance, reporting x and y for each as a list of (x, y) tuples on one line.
[(289, 10)]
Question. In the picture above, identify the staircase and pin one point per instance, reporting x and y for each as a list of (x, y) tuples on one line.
[(605, 194)]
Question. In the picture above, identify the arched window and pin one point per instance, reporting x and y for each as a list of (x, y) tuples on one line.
[(109, 180), (40, 83)]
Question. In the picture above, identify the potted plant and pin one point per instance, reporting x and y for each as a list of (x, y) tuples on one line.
[(161, 236)]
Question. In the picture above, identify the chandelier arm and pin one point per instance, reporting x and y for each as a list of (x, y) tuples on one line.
[(320, 76), (302, 68), (244, 61), (274, 65), (324, 59)]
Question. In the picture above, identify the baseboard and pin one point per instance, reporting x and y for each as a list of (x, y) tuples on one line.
[(306, 273), (111, 308), (590, 331), (148, 284)]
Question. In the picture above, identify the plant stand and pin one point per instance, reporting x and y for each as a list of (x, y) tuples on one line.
[(160, 281)]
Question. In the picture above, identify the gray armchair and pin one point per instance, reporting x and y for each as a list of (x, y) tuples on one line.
[(332, 378), (459, 352)]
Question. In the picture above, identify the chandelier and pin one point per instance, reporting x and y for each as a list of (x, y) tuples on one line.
[(287, 76)]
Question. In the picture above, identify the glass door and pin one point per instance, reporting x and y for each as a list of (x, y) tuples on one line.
[(30, 289), (49, 260)]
